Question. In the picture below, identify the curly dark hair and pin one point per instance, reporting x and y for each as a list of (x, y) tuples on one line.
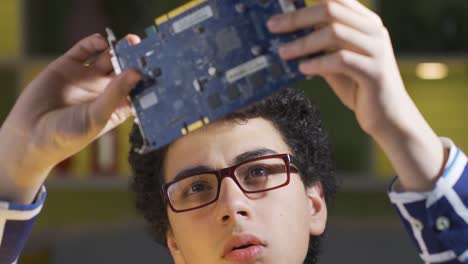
[(300, 125)]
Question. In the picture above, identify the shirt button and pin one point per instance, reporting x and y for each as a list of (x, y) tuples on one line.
[(417, 224), (442, 223)]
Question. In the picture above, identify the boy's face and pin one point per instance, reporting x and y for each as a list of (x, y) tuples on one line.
[(279, 222)]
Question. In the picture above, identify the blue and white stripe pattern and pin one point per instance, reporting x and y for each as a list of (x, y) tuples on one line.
[(438, 220), (15, 225)]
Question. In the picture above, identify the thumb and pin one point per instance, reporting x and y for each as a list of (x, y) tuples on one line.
[(117, 90)]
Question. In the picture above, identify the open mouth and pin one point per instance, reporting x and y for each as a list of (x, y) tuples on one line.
[(243, 246), (245, 253)]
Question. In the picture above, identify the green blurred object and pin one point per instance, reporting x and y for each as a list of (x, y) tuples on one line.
[(65, 209), (363, 206), (10, 29), (426, 26)]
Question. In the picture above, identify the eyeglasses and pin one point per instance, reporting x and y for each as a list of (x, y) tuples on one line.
[(256, 175)]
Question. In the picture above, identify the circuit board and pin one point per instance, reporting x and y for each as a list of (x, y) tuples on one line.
[(203, 61)]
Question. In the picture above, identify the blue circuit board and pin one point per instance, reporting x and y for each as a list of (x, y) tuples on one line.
[(203, 61)]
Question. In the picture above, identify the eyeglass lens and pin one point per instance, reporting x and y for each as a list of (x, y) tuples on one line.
[(253, 176)]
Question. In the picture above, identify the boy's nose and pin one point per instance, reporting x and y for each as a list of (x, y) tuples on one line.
[(232, 203)]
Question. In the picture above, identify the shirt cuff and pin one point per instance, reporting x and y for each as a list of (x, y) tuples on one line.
[(16, 221), (437, 221), (26, 209)]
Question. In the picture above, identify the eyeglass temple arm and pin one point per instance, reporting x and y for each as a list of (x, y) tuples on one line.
[(294, 162)]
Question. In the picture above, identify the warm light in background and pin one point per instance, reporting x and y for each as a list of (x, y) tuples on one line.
[(432, 71), (442, 101)]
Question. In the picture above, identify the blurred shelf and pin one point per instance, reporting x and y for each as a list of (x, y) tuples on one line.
[(93, 182), (363, 182)]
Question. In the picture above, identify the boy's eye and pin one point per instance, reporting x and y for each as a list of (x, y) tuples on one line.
[(197, 187), (258, 172)]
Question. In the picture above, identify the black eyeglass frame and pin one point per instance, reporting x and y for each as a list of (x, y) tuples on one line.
[(229, 172)]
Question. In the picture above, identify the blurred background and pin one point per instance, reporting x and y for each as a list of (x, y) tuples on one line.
[(89, 215)]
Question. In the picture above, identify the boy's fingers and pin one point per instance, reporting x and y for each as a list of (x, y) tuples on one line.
[(333, 36), (300, 19), (354, 65), (361, 10), (122, 112), (351, 18), (86, 48), (134, 39), (103, 63), (117, 90), (317, 15)]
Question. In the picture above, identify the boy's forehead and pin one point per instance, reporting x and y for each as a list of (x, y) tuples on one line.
[(218, 144)]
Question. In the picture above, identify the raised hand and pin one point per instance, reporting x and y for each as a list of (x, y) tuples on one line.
[(64, 109), (360, 67)]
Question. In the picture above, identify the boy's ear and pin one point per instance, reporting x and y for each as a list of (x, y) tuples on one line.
[(317, 209), (174, 248)]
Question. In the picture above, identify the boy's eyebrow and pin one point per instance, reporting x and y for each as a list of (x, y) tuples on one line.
[(253, 154), (238, 159), (191, 171)]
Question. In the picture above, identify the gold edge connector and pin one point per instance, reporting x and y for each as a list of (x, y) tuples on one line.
[(181, 9), (161, 19), (177, 11), (195, 125)]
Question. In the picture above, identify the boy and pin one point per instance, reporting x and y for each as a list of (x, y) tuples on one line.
[(273, 211)]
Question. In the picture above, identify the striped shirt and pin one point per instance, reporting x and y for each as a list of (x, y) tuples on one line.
[(437, 221)]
